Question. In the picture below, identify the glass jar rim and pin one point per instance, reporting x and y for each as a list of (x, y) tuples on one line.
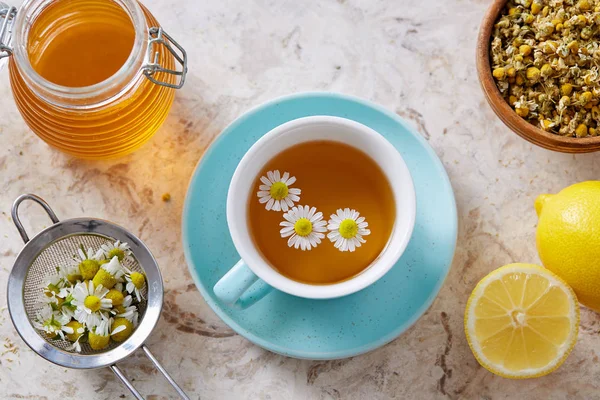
[(86, 96)]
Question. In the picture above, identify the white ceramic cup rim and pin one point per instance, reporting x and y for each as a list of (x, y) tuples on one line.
[(321, 128)]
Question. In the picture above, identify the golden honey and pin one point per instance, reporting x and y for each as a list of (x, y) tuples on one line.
[(331, 175), (84, 91)]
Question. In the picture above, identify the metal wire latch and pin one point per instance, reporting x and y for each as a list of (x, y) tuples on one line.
[(7, 17), (160, 37)]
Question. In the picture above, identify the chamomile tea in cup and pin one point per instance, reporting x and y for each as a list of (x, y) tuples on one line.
[(319, 207)]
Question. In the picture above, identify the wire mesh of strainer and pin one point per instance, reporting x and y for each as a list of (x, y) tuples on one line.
[(60, 253), (55, 246)]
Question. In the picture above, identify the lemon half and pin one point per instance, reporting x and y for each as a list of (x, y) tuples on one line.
[(521, 321)]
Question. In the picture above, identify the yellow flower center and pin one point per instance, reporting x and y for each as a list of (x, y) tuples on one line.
[(73, 278), (105, 279), (278, 191), (138, 279), (98, 342), (120, 254), (116, 297), (76, 327), (88, 268), (92, 302), (124, 334), (348, 228), (303, 227)]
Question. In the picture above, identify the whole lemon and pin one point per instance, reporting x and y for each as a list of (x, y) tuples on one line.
[(568, 238)]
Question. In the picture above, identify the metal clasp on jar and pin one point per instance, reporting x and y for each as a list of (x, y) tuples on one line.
[(159, 37), (156, 36), (7, 17)]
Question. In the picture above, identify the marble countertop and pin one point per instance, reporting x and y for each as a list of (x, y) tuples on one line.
[(415, 58)]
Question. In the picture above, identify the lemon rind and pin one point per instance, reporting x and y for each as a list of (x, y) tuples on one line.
[(564, 350)]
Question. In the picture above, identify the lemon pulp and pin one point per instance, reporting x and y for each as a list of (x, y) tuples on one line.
[(521, 321)]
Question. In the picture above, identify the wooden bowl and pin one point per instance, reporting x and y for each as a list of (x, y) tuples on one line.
[(520, 126)]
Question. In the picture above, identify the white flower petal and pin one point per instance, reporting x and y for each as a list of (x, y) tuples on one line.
[(119, 328), (277, 205), (316, 217), (270, 204)]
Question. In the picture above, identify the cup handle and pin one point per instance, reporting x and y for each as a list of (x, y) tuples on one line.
[(240, 287)]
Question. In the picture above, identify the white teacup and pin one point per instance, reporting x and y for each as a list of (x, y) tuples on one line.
[(253, 277)]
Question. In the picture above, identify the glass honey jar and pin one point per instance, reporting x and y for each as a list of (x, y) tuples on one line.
[(92, 78)]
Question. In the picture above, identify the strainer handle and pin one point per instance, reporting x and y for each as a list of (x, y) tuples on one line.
[(15, 212), (126, 382), (158, 366)]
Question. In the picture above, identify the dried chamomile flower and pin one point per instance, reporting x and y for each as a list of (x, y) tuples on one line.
[(109, 274), (81, 299), (121, 329), (87, 262), (52, 322), (545, 61), (91, 302), (135, 283), (117, 249), (116, 296), (99, 337)]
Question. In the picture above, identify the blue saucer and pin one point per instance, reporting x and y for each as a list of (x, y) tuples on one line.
[(323, 329)]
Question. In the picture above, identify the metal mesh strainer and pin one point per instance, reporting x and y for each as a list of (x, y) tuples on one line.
[(55, 246)]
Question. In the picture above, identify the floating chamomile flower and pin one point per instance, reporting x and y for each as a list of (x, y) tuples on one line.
[(347, 229), (90, 303), (305, 226), (99, 337), (52, 322), (109, 273), (117, 249), (276, 191), (87, 262)]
